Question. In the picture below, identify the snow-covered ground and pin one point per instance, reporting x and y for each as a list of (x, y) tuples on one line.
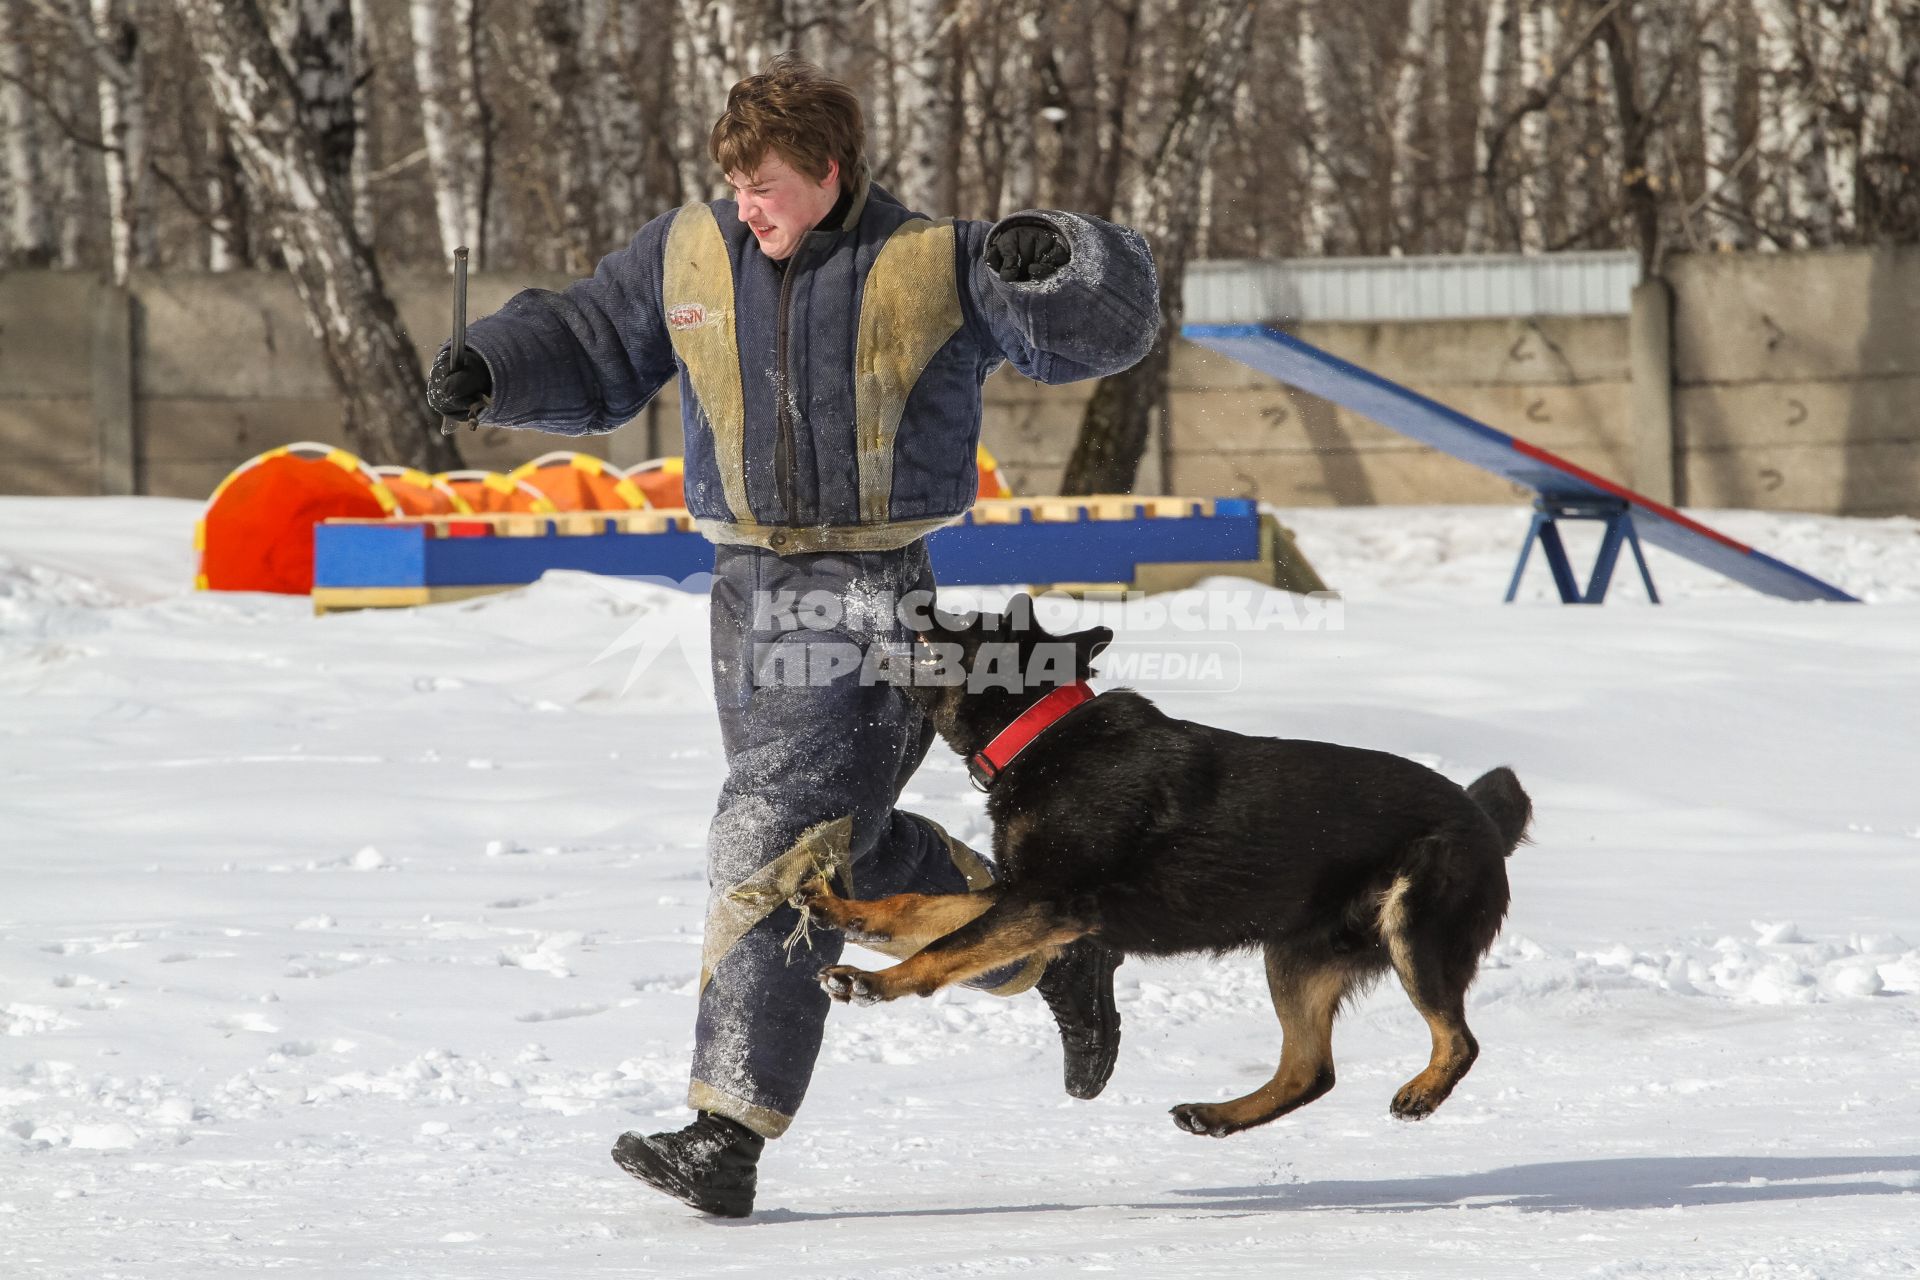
[(346, 945)]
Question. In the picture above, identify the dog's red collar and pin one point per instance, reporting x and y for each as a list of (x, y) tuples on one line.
[(985, 765)]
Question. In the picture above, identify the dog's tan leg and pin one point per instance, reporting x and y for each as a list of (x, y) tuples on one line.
[(898, 925), (1454, 1050), (1008, 931), (1440, 997), (1307, 1004)]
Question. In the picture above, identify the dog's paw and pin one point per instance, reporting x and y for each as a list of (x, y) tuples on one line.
[(854, 919), (1415, 1102), (851, 986), (1204, 1119), (811, 894)]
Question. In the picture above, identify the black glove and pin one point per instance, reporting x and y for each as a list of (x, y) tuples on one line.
[(1027, 251), (461, 391)]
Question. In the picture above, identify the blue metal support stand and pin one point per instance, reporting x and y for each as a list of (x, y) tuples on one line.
[(1618, 517)]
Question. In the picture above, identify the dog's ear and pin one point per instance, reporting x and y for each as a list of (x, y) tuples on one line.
[(1087, 646)]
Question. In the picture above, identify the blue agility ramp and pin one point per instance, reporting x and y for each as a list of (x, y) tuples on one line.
[(1563, 491)]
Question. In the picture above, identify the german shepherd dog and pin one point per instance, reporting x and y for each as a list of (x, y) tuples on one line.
[(1161, 837)]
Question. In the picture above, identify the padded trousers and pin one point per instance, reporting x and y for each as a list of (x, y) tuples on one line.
[(817, 752)]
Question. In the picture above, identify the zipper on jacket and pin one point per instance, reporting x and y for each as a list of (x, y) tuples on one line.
[(784, 445)]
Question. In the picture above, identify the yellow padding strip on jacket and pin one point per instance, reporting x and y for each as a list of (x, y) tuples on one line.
[(908, 309), (697, 291), (822, 850)]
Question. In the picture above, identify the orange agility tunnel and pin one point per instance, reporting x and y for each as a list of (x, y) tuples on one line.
[(992, 483), (489, 491), (662, 480), (418, 494), (580, 482), (257, 531)]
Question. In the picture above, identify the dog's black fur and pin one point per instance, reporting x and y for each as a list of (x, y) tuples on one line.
[(1161, 837)]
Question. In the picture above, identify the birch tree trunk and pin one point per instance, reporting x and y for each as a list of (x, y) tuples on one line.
[(1720, 130), (1778, 123), (123, 126), (1417, 53), (615, 130), (693, 72), (1114, 71), (316, 38), (1117, 425), (1314, 72), (570, 152), (29, 220), (808, 27), (925, 167), (1791, 134), (1054, 117), (1028, 64), (228, 234), (360, 171), (1883, 36), (1894, 122), (1619, 33), (373, 365), (76, 179), (1492, 66), (1849, 73), (446, 64), (1530, 175), (717, 43)]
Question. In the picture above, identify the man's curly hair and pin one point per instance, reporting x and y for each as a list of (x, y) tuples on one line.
[(797, 110)]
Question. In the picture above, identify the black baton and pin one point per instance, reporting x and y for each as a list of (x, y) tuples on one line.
[(459, 328)]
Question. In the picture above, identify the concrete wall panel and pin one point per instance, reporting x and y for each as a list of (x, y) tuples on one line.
[(1445, 353), (1790, 316), (1830, 414), (46, 333), (236, 336), (1308, 479), (1874, 479), (47, 447)]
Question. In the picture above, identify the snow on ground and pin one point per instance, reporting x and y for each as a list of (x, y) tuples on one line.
[(346, 945)]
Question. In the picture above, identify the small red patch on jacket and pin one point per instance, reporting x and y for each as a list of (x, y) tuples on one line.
[(688, 315)]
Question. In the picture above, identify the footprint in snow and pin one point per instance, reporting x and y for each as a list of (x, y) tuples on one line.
[(243, 1022), (554, 1015), (89, 946)]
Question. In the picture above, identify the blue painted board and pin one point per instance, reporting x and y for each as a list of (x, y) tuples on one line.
[(400, 554)]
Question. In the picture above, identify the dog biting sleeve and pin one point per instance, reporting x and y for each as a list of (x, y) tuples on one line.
[(822, 850)]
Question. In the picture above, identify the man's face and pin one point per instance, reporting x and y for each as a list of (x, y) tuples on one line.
[(780, 204)]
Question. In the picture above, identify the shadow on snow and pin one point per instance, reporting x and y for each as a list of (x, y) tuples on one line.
[(1637, 1182)]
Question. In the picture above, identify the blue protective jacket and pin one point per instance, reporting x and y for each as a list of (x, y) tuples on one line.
[(833, 405)]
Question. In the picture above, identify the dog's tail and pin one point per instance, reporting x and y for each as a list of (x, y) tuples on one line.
[(1499, 795)]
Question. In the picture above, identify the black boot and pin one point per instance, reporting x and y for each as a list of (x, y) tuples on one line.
[(1078, 987), (709, 1164)]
